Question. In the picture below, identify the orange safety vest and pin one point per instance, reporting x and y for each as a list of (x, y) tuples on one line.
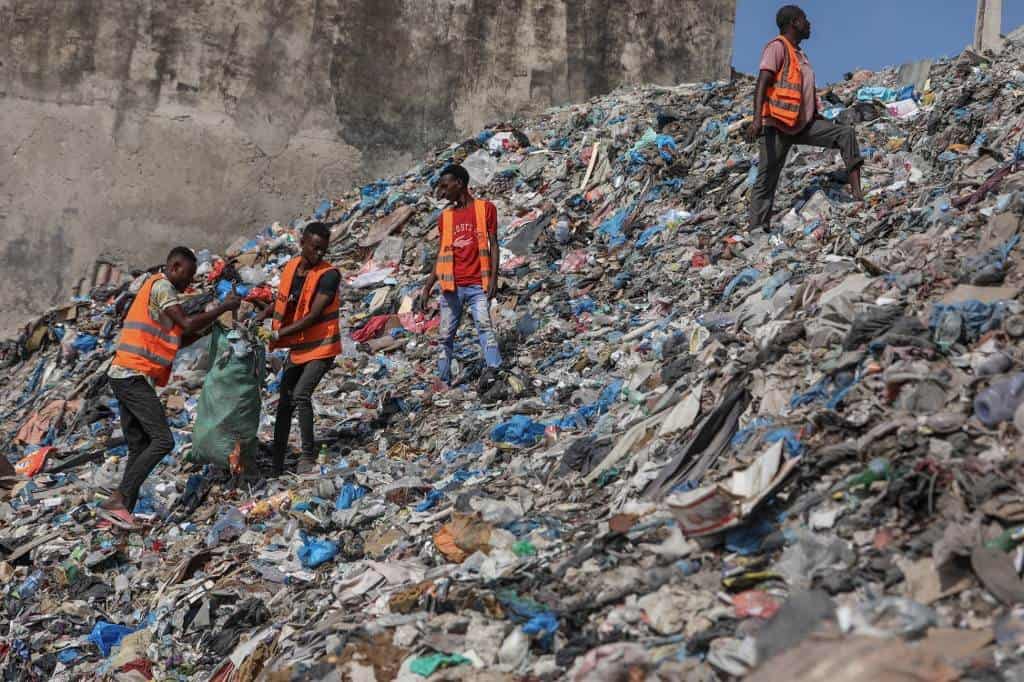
[(323, 339), (783, 98), (445, 269), (145, 346)]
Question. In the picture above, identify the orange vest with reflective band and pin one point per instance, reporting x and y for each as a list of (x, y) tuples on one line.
[(445, 269), (323, 339), (783, 98), (145, 346)]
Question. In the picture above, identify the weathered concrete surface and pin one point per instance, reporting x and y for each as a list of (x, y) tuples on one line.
[(133, 125)]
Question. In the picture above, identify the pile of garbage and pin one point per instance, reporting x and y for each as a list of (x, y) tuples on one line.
[(709, 453)]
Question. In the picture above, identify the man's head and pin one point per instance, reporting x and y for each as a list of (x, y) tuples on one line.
[(315, 238), (453, 183), (181, 267), (792, 20)]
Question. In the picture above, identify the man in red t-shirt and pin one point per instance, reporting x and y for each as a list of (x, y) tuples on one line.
[(467, 268)]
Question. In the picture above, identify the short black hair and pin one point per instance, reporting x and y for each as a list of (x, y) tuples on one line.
[(786, 15), (317, 229), (182, 252), (457, 172)]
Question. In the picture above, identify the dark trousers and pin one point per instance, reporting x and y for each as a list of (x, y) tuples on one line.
[(297, 386), (144, 424), (774, 148)]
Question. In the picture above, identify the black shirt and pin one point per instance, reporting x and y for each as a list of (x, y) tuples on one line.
[(328, 284)]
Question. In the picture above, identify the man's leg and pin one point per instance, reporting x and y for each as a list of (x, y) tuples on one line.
[(139, 398), (135, 437), (451, 315), (772, 152), (312, 372), (831, 135), (479, 306), (285, 407)]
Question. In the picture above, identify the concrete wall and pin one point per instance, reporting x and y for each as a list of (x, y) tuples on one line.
[(134, 125)]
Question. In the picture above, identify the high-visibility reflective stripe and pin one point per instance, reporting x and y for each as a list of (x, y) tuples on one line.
[(143, 353), (154, 331), (777, 104), (309, 345)]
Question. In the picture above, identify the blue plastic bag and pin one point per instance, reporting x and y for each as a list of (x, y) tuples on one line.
[(545, 625), (747, 539), (746, 277), (322, 210), (224, 287), (611, 229), (315, 552), (582, 305), (372, 194), (432, 498), (84, 343), (350, 492), (108, 635), (978, 317), (519, 430), (579, 418), (791, 444), (649, 234), (876, 92)]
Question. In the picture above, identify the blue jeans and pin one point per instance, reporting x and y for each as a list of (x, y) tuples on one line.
[(452, 305)]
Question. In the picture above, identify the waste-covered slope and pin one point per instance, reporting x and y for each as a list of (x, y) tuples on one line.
[(705, 445)]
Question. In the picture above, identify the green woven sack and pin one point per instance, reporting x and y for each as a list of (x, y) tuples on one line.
[(228, 412)]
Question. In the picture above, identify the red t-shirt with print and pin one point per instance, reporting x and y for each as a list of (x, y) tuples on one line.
[(465, 250)]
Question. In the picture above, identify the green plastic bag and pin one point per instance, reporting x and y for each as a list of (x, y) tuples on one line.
[(228, 412)]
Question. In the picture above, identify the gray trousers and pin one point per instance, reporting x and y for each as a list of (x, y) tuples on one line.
[(297, 385), (774, 148)]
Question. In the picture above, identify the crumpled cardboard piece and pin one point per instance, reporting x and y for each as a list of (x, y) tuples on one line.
[(462, 536)]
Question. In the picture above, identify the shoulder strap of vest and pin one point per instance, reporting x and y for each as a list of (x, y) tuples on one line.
[(447, 223), (480, 208)]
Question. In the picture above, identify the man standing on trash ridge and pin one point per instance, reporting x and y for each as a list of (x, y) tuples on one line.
[(466, 269), (155, 327), (305, 320), (786, 114)]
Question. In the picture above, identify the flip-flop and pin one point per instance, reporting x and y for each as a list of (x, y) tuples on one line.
[(120, 518)]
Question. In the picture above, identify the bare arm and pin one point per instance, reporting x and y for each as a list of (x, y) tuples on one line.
[(764, 80), (265, 313), (320, 302), (429, 284), (191, 325), (495, 256)]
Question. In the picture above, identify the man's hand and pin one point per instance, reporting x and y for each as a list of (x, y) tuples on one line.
[(265, 313), (492, 288), (755, 129), (231, 302), (424, 298)]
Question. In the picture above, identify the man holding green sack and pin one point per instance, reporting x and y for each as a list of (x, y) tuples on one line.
[(155, 328)]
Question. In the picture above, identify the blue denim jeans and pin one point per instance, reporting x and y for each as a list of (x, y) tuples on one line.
[(452, 305)]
